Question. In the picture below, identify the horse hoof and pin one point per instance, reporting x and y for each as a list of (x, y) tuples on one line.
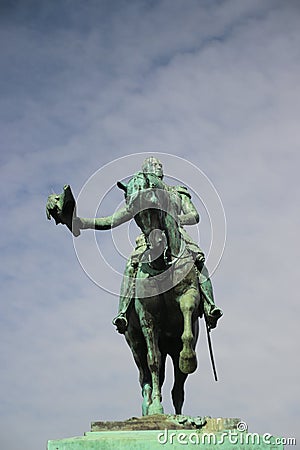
[(155, 408), (187, 364), (153, 411)]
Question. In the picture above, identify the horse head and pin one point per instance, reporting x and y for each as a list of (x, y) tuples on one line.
[(144, 191), (155, 211)]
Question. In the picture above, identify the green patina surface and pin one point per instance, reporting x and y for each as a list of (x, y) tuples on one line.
[(168, 432), (167, 439), (166, 286)]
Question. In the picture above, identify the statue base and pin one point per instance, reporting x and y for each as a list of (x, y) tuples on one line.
[(169, 432)]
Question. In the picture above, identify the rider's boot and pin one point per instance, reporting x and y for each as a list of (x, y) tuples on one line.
[(121, 322), (126, 294), (211, 311)]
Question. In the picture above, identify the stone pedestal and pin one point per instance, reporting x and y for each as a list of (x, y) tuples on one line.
[(169, 432)]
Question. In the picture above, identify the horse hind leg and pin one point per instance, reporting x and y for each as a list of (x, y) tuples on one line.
[(187, 358), (162, 372), (178, 387)]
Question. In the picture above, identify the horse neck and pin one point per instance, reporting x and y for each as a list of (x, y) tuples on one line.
[(148, 220), (173, 236)]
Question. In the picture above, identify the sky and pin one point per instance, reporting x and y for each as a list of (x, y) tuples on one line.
[(85, 83)]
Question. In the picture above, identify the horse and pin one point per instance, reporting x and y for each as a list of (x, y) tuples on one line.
[(163, 316)]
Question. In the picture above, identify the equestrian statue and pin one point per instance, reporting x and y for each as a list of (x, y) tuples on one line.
[(166, 286)]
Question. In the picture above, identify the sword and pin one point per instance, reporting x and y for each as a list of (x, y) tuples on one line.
[(211, 351)]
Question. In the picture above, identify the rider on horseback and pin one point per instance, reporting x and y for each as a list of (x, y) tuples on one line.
[(166, 285), (188, 216)]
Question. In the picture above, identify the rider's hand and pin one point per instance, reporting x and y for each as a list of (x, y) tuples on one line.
[(77, 225)]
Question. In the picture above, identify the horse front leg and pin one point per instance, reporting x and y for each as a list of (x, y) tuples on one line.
[(150, 332), (187, 359)]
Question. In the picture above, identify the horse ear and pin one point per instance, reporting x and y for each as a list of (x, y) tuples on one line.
[(122, 186)]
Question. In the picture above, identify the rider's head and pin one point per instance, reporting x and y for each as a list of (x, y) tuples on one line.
[(153, 165)]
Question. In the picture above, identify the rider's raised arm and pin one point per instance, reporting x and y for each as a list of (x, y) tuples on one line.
[(122, 215), (189, 214)]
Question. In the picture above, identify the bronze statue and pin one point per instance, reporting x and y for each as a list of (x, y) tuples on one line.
[(166, 287)]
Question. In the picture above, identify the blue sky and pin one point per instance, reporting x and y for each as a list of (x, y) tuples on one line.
[(86, 82)]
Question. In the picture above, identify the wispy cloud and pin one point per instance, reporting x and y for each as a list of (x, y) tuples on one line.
[(84, 83)]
